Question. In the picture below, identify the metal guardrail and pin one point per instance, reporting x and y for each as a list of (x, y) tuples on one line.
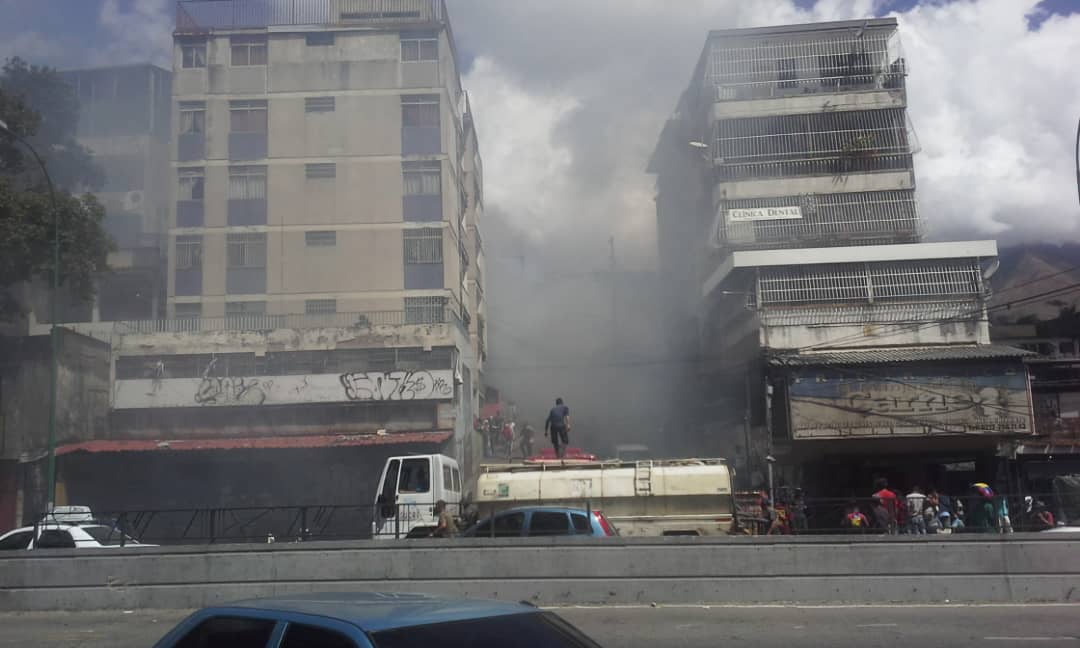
[(197, 16)]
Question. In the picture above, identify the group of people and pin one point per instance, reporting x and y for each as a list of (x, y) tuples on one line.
[(980, 511), (501, 436)]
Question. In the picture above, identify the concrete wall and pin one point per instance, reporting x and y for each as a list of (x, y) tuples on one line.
[(1018, 568)]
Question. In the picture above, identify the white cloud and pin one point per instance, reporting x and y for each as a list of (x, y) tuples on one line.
[(137, 31)]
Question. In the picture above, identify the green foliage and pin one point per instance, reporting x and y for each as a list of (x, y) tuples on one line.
[(41, 109)]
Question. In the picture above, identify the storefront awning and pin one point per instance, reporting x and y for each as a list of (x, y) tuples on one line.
[(258, 443)]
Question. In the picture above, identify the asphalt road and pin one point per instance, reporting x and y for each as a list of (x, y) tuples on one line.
[(994, 626)]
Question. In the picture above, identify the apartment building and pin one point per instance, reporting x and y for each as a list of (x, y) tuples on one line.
[(325, 282), (789, 225)]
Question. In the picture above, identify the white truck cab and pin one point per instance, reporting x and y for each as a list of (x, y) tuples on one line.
[(407, 492)]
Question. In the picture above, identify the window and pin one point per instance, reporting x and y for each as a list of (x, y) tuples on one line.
[(319, 39), (188, 252), (246, 250), (420, 110), (248, 50), (581, 523), (320, 306), (423, 245), (235, 309), (415, 476), (193, 54), (192, 117), (320, 238), (506, 526), (191, 184), (318, 104), (457, 480), (422, 178), (20, 540), (188, 311), (447, 478), (298, 635), (425, 310), (531, 630), (55, 539), (229, 632), (247, 116), (247, 183), (320, 170), (420, 47), (389, 495), (546, 523)]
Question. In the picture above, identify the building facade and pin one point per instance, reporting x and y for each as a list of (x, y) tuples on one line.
[(787, 174)]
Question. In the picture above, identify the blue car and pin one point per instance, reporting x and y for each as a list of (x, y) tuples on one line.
[(534, 521), (371, 620)]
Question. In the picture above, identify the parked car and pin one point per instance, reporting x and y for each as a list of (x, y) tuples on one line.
[(67, 536), (370, 620), (543, 521)]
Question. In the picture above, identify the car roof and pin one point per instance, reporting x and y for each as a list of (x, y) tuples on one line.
[(376, 611), (534, 509)]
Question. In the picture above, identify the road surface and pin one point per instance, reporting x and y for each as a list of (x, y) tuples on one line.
[(991, 626)]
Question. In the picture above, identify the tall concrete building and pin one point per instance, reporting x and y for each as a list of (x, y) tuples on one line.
[(325, 282), (829, 334)]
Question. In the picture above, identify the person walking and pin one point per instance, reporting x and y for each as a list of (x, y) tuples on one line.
[(916, 502), (527, 434), (558, 427)]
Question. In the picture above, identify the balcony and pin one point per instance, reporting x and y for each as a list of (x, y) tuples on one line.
[(202, 16)]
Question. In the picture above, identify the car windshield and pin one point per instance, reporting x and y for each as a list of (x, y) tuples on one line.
[(107, 536), (534, 630)]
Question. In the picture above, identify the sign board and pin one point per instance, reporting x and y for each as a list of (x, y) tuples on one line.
[(763, 213), (886, 401), (361, 386)]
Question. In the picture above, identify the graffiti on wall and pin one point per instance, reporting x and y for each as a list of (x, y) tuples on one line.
[(395, 385), (235, 391)]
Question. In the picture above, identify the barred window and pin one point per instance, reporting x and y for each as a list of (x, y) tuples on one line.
[(423, 245), (192, 117), (246, 250), (187, 311), (247, 116), (420, 46), (420, 110), (319, 104), (425, 310), (247, 183), (422, 178), (320, 170), (320, 238), (191, 184), (320, 306), (319, 39), (245, 308), (193, 54), (248, 50), (188, 252)]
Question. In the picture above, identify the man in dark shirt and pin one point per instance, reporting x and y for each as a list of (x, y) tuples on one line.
[(558, 426)]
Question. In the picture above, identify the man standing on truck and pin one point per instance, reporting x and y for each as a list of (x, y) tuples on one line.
[(558, 426)]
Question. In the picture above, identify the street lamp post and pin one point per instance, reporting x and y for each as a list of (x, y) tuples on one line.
[(51, 477)]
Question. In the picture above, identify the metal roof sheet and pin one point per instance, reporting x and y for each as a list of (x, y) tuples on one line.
[(898, 354), (259, 443)]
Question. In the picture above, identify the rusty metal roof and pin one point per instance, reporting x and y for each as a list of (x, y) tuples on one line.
[(898, 354), (258, 443)]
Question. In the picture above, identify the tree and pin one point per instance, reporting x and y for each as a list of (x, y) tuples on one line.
[(40, 107)]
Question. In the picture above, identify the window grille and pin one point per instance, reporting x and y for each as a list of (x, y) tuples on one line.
[(423, 245), (248, 116), (425, 310), (420, 47), (191, 184), (193, 54), (247, 183), (192, 117), (246, 250), (248, 50), (320, 306), (422, 178), (870, 282), (319, 104), (320, 170), (188, 252), (420, 110), (320, 238)]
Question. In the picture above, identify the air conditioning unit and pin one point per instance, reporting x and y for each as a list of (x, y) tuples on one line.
[(133, 201)]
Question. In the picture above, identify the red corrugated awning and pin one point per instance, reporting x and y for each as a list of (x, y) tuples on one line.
[(259, 443)]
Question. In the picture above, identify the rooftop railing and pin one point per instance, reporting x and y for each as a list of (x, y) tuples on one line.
[(198, 16)]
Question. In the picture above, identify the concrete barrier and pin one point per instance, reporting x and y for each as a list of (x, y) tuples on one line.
[(911, 569)]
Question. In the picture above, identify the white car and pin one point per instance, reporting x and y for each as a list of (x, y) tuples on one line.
[(67, 536)]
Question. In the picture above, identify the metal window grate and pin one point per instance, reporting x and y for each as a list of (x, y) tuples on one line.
[(870, 282), (320, 238), (828, 219), (420, 110), (422, 178), (320, 170), (420, 47), (188, 252), (320, 306), (837, 166), (247, 183), (748, 69), (424, 245), (246, 250), (191, 184), (248, 116), (319, 104), (425, 310), (852, 135)]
